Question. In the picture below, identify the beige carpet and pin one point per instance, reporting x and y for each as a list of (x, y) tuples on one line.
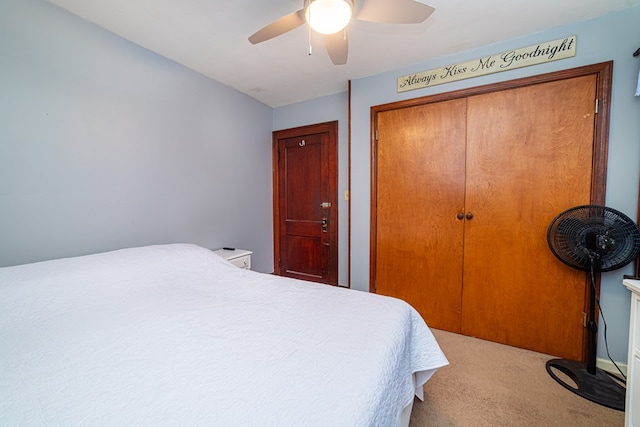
[(489, 384)]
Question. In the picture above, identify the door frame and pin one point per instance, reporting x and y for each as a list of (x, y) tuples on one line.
[(604, 73), (331, 128)]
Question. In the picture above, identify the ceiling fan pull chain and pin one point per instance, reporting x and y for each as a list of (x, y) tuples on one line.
[(309, 34)]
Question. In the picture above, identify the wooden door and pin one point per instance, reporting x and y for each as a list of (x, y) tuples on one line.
[(476, 245), (529, 157), (305, 203), (420, 190)]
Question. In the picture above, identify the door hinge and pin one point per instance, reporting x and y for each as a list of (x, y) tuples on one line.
[(584, 319), (376, 135), (596, 105)]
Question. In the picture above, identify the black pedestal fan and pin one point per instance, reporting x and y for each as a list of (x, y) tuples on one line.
[(595, 239)]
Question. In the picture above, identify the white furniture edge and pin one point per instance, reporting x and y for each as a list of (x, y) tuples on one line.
[(632, 403)]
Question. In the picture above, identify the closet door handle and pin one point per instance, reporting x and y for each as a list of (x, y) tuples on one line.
[(460, 215), (469, 215)]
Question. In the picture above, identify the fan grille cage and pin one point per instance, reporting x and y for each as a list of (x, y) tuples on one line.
[(594, 234)]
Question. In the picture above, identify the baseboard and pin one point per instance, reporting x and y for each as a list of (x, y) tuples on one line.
[(607, 365)]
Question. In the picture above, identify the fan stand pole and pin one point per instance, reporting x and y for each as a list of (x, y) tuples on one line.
[(589, 382), (592, 326)]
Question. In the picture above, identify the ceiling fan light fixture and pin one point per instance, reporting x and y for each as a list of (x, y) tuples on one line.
[(328, 16)]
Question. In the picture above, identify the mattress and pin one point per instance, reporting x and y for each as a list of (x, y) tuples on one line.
[(176, 335)]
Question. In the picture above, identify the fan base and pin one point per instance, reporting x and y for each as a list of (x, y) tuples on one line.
[(600, 387)]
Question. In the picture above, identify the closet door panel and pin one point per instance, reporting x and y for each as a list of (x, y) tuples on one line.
[(420, 189), (529, 157)]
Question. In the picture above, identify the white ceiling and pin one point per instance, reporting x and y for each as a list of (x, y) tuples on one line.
[(210, 37)]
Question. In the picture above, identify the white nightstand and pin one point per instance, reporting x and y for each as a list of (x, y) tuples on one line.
[(238, 257)]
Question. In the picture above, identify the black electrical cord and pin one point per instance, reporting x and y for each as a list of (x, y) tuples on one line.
[(604, 323)]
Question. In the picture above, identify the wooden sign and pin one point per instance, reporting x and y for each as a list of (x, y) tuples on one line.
[(524, 57)]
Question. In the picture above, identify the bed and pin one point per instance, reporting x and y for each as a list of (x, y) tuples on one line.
[(176, 335)]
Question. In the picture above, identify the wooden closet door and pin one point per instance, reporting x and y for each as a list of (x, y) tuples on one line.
[(529, 157), (420, 187)]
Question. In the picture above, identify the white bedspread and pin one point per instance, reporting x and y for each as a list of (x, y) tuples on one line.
[(175, 335)]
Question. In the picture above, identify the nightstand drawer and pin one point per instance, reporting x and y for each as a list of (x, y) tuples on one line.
[(242, 262)]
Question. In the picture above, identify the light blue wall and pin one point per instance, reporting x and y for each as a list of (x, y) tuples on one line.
[(104, 145), (320, 110), (611, 37)]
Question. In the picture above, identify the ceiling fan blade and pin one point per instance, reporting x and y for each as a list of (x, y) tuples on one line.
[(394, 12), (337, 47), (278, 27)]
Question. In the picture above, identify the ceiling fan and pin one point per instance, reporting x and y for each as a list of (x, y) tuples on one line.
[(330, 18)]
